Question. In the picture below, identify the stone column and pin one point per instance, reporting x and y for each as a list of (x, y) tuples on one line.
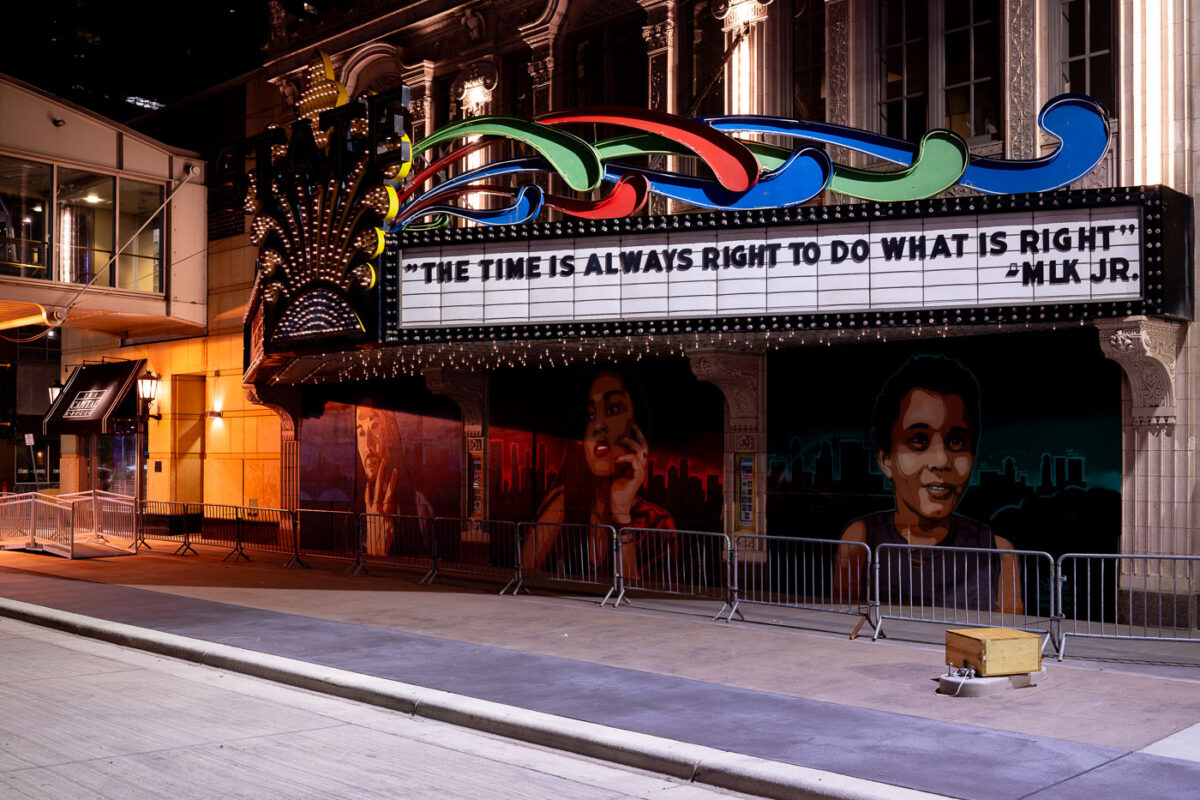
[(1157, 471), (1020, 69), (419, 78), (470, 391), (662, 56), (749, 70), (837, 62), (742, 379)]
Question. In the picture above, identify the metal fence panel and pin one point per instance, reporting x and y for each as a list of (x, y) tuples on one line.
[(1148, 597), (478, 547), (267, 530), (212, 524), (689, 563), (329, 534), (580, 555), (399, 540), (797, 572), (968, 586)]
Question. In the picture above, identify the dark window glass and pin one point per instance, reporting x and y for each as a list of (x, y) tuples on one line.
[(1088, 54), (972, 64), (25, 204), (808, 60)]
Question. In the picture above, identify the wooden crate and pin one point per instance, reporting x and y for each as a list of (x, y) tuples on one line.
[(994, 651)]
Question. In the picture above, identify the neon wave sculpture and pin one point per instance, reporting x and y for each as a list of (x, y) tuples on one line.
[(746, 175)]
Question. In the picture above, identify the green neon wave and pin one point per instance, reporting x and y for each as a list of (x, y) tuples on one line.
[(941, 160), (574, 159)]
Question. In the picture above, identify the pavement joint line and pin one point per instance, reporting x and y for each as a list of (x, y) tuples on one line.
[(689, 762)]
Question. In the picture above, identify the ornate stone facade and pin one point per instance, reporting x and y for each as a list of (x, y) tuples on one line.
[(1147, 351)]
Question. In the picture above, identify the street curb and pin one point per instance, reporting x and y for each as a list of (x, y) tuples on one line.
[(727, 770)]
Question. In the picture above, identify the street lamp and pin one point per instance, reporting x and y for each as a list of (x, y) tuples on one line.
[(147, 388), (55, 390)]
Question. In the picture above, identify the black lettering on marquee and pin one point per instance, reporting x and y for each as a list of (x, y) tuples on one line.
[(593, 265), (631, 260), (709, 256), (566, 266)]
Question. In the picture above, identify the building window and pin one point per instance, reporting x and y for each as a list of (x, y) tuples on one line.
[(703, 47), (941, 68), (25, 201), (85, 206), (140, 232), (972, 65), (808, 60), (1087, 54), (904, 50)]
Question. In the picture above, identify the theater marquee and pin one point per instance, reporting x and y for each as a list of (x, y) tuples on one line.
[(1075, 254)]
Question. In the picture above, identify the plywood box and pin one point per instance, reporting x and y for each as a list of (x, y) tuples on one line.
[(994, 651)]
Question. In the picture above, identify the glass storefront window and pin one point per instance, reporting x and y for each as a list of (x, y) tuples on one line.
[(139, 265), (24, 218), (85, 208)]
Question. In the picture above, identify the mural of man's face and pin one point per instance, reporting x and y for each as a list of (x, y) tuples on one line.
[(609, 418), (930, 459), (372, 432)]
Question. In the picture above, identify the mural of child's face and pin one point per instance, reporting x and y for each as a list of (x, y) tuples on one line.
[(609, 420), (371, 431), (930, 459)]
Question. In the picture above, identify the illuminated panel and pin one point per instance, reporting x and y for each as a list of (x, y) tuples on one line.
[(1056, 256)]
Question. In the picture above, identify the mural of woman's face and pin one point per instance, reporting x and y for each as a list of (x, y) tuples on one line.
[(372, 430), (930, 459), (609, 420)]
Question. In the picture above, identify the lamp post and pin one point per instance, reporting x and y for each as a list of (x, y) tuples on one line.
[(147, 390)]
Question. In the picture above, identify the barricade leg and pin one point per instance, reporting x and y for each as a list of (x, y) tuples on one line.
[(516, 582), (618, 585), (432, 575), (359, 566), (237, 552), (295, 559), (186, 547)]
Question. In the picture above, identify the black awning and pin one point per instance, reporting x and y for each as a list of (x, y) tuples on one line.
[(96, 395)]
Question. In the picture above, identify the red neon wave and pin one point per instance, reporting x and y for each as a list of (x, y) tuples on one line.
[(730, 160)]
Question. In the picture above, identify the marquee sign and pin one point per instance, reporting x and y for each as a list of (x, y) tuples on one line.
[(964, 261), (330, 192)]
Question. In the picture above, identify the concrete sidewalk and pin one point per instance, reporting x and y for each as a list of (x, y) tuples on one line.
[(778, 695)]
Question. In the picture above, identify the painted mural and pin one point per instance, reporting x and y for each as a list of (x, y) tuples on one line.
[(952, 442), (387, 450), (576, 448)]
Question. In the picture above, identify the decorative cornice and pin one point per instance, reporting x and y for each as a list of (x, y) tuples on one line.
[(467, 389), (739, 376), (658, 35), (284, 401), (1147, 350), (541, 71)]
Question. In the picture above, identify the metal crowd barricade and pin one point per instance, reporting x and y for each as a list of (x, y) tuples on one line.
[(215, 525), (115, 520), (797, 572), (567, 553), (52, 526), (477, 547), (268, 530), (399, 540), (168, 521), (328, 534), (968, 586), (687, 563), (1146, 597)]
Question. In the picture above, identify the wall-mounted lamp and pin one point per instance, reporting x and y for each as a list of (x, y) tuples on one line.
[(147, 388), (55, 389), (212, 415)]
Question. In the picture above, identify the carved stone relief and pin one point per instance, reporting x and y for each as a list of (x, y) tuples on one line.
[(837, 61), (1022, 79), (1147, 351), (467, 389)]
